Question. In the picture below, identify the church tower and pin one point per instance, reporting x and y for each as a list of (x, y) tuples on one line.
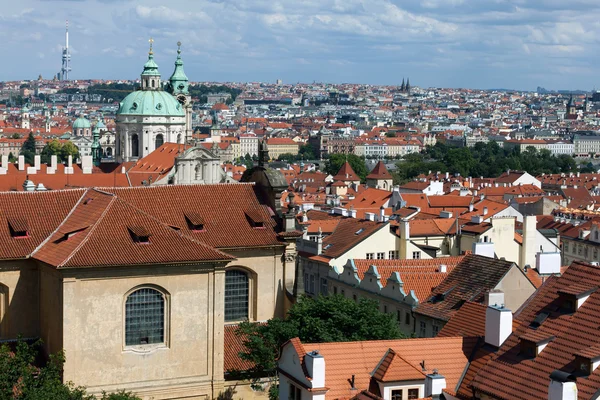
[(178, 86), (25, 118)]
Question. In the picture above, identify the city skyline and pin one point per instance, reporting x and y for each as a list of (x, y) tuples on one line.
[(460, 43)]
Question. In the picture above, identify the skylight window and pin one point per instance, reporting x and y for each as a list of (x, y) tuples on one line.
[(328, 246), (358, 232)]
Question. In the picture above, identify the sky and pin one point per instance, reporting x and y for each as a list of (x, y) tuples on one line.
[(516, 44)]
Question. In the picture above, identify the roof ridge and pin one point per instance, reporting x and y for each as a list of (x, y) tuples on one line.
[(43, 243), (85, 239)]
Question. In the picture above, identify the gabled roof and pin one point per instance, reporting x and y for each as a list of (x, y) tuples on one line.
[(349, 233), (379, 172), (101, 230), (394, 368), (468, 281), (345, 359), (510, 375), (346, 173)]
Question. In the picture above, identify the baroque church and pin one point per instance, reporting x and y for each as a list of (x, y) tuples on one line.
[(159, 113)]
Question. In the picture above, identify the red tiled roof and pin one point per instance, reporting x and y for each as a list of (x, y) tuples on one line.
[(345, 235), (469, 320), (509, 375), (101, 231), (379, 172), (346, 173), (223, 206)]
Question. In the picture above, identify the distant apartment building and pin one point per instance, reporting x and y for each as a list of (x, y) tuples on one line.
[(279, 146), (558, 147), (213, 98), (585, 145), (248, 145)]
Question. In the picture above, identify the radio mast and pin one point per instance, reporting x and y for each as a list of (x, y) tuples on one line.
[(66, 58)]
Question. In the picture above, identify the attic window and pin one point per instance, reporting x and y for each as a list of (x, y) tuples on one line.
[(255, 219), (139, 234), (358, 232), (587, 360), (531, 344), (194, 221), (572, 297), (69, 234), (18, 227)]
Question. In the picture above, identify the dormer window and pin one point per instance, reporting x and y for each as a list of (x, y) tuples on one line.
[(587, 360), (572, 297), (194, 221), (533, 342), (18, 228), (139, 234), (255, 219)]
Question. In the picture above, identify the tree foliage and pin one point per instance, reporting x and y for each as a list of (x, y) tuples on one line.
[(21, 379), (335, 162), (324, 319), (61, 151), (484, 159), (28, 149)]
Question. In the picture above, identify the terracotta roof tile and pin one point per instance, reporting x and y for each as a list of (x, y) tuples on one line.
[(379, 172), (469, 320)]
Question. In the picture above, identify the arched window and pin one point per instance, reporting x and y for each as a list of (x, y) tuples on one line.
[(159, 141), (145, 311), (109, 152), (236, 295), (152, 82), (135, 148)]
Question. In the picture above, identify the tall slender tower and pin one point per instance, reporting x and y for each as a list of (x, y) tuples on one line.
[(66, 58)]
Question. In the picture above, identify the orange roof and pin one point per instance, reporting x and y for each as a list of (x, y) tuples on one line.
[(346, 173), (379, 172), (345, 359), (469, 320), (102, 230)]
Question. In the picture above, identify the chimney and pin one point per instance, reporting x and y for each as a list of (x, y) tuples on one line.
[(320, 242), (485, 210), (370, 216), (352, 213), (471, 207), (443, 268), (434, 384), (5, 162), (69, 167), (315, 366), (53, 161), (37, 160), (547, 263), (21, 163), (528, 248), (485, 249), (498, 324), (494, 297), (447, 175), (562, 386), (404, 233), (381, 214)]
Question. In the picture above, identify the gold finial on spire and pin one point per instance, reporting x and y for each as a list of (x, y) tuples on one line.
[(151, 41)]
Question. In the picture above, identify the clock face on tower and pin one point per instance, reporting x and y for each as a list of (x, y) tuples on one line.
[(181, 99)]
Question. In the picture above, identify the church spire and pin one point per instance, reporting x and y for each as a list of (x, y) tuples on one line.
[(179, 82), (402, 87), (96, 148), (150, 76), (407, 87)]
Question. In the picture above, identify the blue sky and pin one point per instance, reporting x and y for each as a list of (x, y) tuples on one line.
[(448, 43)]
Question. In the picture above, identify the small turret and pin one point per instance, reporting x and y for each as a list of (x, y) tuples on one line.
[(179, 82), (96, 148)]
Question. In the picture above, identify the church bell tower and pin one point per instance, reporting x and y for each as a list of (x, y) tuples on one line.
[(179, 87)]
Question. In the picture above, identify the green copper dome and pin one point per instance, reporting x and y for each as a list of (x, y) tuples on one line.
[(151, 103), (100, 124), (82, 123), (179, 82), (150, 68)]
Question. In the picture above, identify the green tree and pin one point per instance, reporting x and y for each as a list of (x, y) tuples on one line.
[(69, 149), (335, 162), (15, 136), (307, 152), (28, 148), (11, 157), (324, 319), (52, 148), (21, 379), (288, 157)]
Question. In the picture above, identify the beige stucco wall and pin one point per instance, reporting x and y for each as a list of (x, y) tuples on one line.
[(51, 309), (516, 287), (268, 278), (21, 307), (93, 335), (381, 241)]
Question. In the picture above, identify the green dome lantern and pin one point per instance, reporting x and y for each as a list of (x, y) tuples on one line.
[(179, 82)]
